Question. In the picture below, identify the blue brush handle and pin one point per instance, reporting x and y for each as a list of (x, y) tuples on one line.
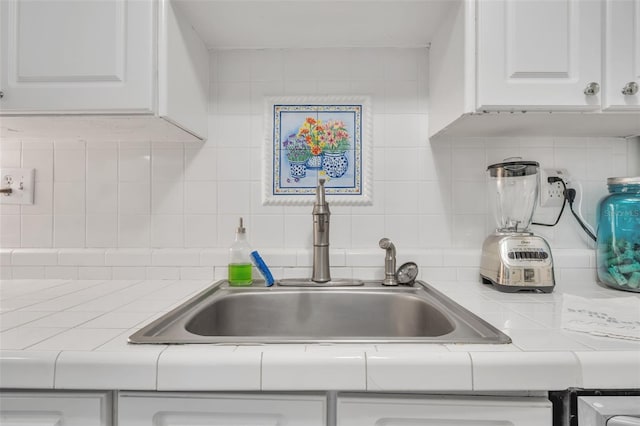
[(263, 268)]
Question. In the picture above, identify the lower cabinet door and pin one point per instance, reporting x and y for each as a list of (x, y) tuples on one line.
[(55, 409), (211, 409), (443, 411)]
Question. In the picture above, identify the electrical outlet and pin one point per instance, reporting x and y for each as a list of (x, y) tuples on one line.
[(552, 194), (20, 182)]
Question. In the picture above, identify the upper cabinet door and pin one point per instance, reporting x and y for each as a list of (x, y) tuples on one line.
[(622, 55), (77, 56), (538, 54)]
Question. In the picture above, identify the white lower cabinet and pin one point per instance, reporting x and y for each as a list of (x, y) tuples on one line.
[(405, 410), (32, 408), (210, 409), (55, 409)]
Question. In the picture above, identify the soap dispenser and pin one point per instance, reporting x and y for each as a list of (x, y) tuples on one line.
[(240, 259)]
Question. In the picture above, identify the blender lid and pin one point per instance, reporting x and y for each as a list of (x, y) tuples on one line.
[(513, 168)]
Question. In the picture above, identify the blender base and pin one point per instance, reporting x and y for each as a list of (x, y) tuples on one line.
[(515, 289), (517, 261)]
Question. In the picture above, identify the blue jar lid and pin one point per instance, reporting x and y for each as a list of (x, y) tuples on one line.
[(623, 180)]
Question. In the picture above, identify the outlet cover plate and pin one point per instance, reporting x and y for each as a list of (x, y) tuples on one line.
[(552, 194), (21, 182)]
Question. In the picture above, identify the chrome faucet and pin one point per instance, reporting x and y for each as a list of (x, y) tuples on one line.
[(389, 262), (321, 274), (321, 270)]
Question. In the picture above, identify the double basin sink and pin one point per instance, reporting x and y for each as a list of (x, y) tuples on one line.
[(369, 313)]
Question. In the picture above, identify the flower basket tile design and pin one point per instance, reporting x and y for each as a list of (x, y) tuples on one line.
[(309, 138)]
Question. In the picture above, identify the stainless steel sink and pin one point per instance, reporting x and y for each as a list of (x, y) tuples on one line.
[(370, 313)]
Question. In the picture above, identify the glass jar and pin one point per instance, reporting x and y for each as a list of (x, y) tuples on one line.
[(618, 253)]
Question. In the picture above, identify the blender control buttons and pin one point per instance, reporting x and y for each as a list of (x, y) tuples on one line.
[(528, 255)]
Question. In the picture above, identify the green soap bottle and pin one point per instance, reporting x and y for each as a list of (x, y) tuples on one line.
[(240, 259)]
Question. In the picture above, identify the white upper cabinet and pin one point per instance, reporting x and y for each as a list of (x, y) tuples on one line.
[(622, 55), (183, 72), (73, 56), (538, 54), (536, 68), (138, 59)]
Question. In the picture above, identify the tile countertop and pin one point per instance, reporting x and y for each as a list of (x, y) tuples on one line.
[(72, 334)]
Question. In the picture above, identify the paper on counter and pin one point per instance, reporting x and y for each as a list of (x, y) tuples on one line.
[(616, 317)]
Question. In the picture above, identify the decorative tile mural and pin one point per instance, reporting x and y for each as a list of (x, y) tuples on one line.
[(309, 138)]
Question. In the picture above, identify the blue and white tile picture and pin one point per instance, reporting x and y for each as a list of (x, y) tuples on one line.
[(317, 137), (317, 141)]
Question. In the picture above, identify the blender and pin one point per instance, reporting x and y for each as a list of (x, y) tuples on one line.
[(513, 258)]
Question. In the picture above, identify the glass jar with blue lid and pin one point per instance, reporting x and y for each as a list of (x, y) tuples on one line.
[(618, 253)]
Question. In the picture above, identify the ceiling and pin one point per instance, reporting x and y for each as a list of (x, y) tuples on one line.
[(256, 24)]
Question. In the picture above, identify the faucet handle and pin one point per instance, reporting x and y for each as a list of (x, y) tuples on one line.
[(321, 206), (320, 194)]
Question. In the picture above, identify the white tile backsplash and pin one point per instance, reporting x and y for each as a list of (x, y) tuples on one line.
[(134, 163), (94, 273), (69, 164), (200, 231), (200, 197), (167, 230), (69, 198), (102, 164), (44, 189), (134, 230), (36, 231), (102, 197), (201, 163), (10, 157), (39, 156), (171, 195), (134, 198), (10, 230), (102, 230)]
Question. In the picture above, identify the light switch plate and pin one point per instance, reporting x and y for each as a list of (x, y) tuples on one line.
[(21, 182)]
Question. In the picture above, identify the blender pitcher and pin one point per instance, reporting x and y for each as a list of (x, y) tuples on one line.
[(514, 185)]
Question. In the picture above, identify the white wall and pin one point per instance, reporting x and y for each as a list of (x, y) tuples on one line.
[(92, 194)]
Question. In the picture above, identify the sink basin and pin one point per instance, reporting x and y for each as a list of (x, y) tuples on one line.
[(370, 313), (328, 314)]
